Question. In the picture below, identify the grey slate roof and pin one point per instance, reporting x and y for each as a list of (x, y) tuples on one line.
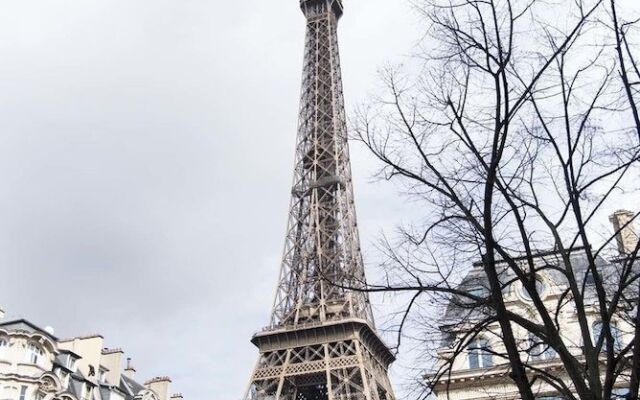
[(133, 386), (130, 387), (22, 325), (460, 307)]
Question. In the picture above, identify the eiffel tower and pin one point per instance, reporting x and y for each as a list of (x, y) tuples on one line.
[(321, 343)]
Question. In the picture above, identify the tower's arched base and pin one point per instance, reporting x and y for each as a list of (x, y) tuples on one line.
[(342, 360)]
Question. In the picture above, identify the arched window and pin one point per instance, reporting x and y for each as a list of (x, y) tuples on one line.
[(35, 355), (540, 289), (479, 353)]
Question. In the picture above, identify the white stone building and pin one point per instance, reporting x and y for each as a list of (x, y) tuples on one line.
[(482, 375), (36, 365)]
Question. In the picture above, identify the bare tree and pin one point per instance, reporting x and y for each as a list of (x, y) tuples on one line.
[(629, 71), (628, 66), (515, 134)]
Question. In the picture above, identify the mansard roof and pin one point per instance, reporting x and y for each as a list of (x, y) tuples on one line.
[(460, 308), (22, 325)]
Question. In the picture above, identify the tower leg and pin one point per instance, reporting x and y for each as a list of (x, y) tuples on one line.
[(327, 362)]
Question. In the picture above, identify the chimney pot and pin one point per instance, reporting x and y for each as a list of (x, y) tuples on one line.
[(129, 371)]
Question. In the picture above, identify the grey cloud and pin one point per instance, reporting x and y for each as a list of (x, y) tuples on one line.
[(145, 160)]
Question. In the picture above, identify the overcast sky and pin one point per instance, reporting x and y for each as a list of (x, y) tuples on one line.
[(146, 153)]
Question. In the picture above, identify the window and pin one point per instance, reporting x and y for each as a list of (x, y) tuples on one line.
[(35, 355), (480, 355), (39, 396), (64, 379), (615, 332), (86, 392), (620, 394), (23, 392), (71, 363), (4, 345), (479, 291), (539, 350), (540, 289), (617, 337)]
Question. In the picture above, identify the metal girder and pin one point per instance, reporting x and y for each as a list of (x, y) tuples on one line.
[(321, 341)]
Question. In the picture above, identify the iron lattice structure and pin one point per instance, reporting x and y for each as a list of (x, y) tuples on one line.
[(321, 342)]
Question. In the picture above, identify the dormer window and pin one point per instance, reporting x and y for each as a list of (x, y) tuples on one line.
[(35, 355), (71, 363), (64, 378), (86, 392), (102, 376)]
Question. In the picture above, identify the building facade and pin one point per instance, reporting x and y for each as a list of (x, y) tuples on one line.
[(477, 366), (36, 365)]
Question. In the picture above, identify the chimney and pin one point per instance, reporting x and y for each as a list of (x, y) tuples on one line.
[(160, 386), (112, 360), (89, 348), (129, 372), (626, 235)]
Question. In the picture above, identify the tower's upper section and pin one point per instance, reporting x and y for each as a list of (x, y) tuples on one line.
[(322, 271), (318, 8)]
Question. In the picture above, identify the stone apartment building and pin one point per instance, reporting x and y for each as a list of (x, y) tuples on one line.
[(481, 375), (36, 365)]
